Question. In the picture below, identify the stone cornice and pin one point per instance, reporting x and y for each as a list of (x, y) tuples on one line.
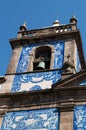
[(72, 80), (61, 97)]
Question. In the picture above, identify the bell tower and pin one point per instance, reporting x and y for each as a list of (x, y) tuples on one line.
[(42, 60), (37, 58)]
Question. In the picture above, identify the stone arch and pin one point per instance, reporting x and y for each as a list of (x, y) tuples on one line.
[(40, 53)]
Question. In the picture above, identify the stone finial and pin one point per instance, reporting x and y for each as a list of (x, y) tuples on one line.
[(73, 22), (23, 27), (73, 19), (56, 23)]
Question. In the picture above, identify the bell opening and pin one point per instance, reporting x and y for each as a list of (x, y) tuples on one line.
[(42, 58)]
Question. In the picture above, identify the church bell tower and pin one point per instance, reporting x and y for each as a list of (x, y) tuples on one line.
[(34, 93)]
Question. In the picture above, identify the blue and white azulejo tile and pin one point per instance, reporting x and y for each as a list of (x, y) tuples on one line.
[(80, 117), (43, 119), (42, 80)]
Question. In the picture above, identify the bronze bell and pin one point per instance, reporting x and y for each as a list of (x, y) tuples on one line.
[(41, 65)]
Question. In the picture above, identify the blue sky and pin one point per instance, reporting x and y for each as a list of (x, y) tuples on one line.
[(37, 14)]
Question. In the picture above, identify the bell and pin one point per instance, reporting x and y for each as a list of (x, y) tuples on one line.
[(41, 66)]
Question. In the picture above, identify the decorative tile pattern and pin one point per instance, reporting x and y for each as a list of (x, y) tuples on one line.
[(35, 81), (24, 59), (80, 117), (43, 119), (42, 80), (59, 55)]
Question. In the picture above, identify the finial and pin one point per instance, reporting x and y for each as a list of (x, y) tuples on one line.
[(57, 17), (73, 16), (73, 19), (25, 24), (23, 27), (56, 22)]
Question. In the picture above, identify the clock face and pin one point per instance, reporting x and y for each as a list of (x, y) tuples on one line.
[(39, 80)]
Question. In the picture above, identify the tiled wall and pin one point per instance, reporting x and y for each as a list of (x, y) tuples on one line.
[(80, 117), (42, 80), (43, 119)]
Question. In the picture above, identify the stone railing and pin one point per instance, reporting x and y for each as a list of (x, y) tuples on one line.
[(47, 31)]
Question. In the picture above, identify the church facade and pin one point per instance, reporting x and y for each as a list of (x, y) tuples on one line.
[(44, 87)]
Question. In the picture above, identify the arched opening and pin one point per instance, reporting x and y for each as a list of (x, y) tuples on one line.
[(42, 58)]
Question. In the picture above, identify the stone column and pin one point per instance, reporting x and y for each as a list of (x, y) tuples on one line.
[(2, 113), (66, 120)]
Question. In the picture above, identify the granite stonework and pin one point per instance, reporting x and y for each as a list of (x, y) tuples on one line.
[(6, 86), (39, 80), (66, 120), (80, 117), (14, 60), (72, 52), (43, 119), (69, 50)]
